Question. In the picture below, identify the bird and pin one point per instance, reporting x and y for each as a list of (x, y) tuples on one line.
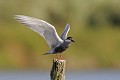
[(57, 44)]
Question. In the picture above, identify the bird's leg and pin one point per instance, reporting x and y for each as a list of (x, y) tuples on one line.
[(60, 56), (57, 56)]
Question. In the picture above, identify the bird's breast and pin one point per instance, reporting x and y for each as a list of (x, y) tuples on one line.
[(60, 49)]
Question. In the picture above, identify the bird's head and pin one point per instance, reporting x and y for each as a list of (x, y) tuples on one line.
[(70, 38)]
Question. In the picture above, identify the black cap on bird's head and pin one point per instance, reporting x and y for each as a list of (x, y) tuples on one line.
[(70, 38)]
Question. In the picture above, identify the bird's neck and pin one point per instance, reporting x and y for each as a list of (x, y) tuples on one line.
[(67, 42)]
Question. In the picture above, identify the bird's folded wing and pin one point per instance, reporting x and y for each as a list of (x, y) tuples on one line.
[(65, 32), (46, 30)]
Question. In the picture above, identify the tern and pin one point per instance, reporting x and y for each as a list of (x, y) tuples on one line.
[(48, 32)]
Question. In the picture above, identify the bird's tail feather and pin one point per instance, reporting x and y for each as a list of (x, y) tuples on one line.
[(45, 53)]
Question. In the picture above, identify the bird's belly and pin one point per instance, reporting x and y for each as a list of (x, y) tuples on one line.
[(59, 49)]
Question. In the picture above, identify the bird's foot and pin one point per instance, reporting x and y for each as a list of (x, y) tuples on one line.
[(60, 57)]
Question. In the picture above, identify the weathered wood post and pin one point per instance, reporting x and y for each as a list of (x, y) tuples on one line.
[(58, 70)]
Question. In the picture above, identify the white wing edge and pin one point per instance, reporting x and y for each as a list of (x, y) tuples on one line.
[(65, 32), (21, 18)]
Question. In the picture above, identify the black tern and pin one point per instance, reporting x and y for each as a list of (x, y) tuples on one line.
[(48, 32)]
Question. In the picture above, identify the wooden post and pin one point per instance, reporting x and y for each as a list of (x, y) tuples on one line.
[(58, 70)]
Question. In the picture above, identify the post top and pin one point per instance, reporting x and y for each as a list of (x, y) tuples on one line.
[(62, 60)]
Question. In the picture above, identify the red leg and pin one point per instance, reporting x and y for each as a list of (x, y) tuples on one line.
[(57, 56), (60, 56)]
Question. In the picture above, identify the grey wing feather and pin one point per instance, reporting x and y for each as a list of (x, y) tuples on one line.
[(65, 32), (46, 30)]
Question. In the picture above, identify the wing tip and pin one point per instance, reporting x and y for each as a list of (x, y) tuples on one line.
[(17, 16), (68, 24), (20, 16)]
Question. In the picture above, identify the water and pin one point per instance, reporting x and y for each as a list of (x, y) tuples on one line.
[(70, 75)]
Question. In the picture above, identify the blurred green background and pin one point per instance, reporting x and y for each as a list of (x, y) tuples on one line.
[(95, 26)]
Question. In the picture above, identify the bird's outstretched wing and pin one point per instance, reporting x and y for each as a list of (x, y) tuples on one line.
[(46, 30), (65, 32)]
